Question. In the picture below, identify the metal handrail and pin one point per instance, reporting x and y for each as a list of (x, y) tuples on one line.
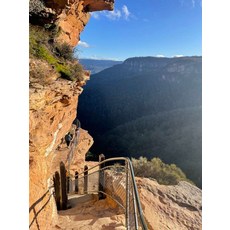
[(74, 144), (137, 195), (102, 162), (136, 199)]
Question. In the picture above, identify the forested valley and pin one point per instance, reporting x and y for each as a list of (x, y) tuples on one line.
[(150, 107)]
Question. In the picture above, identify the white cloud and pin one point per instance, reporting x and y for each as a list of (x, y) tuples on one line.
[(113, 15), (95, 57), (83, 44), (95, 15), (178, 55), (126, 12), (160, 55), (116, 14)]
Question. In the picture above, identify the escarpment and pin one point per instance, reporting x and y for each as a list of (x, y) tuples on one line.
[(53, 98)]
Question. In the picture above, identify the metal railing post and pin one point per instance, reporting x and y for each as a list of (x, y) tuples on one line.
[(68, 184), (101, 177), (85, 179), (64, 198), (57, 189), (76, 182)]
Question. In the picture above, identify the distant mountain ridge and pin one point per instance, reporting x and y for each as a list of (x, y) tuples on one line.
[(181, 64), (147, 106), (96, 66), (136, 65)]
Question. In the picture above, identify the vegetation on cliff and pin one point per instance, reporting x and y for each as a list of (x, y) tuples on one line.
[(59, 56), (168, 174)]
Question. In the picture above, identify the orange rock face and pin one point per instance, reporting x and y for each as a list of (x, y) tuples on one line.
[(52, 111), (170, 207), (72, 21), (75, 16), (93, 5), (78, 162), (53, 104)]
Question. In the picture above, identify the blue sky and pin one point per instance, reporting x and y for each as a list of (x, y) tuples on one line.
[(144, 28)]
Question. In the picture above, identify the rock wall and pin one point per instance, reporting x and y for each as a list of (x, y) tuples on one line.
[(75, 16), (72, 21), (78, 162), (170, 207), (52, 111), (70, 16), (53, 104)]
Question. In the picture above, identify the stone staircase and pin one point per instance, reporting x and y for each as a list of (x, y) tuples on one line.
[(87, 212)]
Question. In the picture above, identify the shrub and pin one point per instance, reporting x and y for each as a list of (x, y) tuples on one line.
[(59, 56), (64, 51), (78, 72), (38, 37), (118, 168), (163, 173), (43, 53)]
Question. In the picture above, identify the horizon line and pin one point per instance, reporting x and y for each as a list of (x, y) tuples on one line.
[(157, 56)]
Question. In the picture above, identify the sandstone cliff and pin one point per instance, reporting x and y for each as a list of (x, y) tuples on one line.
[(52, 111), (53, 103)]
